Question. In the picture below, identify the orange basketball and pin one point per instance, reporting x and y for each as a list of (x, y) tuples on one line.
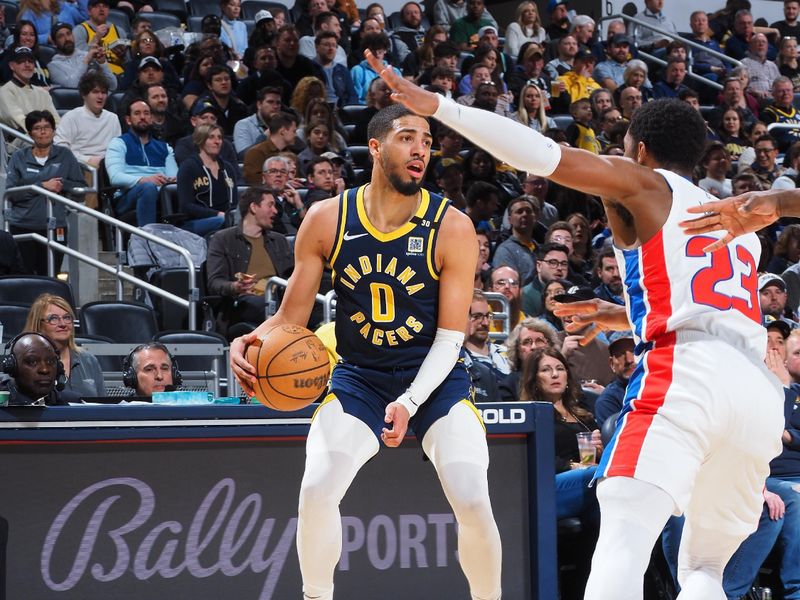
[(292, 367)]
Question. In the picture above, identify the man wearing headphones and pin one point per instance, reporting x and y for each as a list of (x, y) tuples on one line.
[(150, 368), (37, 375)]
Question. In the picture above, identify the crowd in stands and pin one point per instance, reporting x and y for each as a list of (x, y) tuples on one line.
[(252, 120)]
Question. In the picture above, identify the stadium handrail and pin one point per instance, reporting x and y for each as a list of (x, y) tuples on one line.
[(120, 226), (673, 36)]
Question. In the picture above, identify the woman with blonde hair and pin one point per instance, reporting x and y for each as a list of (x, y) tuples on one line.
[(527, 27), (53, 317), (531, 109), (307, 89)]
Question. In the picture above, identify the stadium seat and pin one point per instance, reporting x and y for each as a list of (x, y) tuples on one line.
[(122, 322), (251, 7), (66, 98), (162, 20), (107, 363), (11, 10), (120, 19), (176, 281), (24, 289), (202, 8), (173, 7), (563, 121), (13, 317), (361, 156), (349, 112), (192, 363), (349, 128), (45, 54)]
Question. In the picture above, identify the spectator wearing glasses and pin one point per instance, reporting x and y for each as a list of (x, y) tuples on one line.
[(782, 111), (529, 335), (766, 166), (52, 167), (552, 263), (607, 271), (53, 317), (478, 347), (787, 62), (276, 175), (505, 280)]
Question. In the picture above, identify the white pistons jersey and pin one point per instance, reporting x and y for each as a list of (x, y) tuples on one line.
[(675, 289)]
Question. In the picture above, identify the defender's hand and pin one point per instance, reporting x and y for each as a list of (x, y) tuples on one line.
[(398, 416), (605, 316), (736, 216)]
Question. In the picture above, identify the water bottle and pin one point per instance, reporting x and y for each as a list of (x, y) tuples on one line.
[(766, 594)]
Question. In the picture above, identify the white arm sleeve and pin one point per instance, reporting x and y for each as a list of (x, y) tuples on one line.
[(435, 368), (512, 142)]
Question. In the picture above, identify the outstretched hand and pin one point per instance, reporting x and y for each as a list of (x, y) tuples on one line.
[(735, 216), (605, 316), (408, 94)]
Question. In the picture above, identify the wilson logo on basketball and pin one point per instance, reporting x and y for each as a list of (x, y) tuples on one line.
[(311, 382)]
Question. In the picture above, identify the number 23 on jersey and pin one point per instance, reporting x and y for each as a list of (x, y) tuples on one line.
[(726, 263)]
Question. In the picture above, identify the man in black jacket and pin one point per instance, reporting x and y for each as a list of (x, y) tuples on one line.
[(37, 375), (242, 258)]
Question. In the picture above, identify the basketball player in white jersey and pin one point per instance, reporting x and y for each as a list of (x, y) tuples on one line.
[(702, 415)]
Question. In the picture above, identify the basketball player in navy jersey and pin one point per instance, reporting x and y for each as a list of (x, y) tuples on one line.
[(403, 264), (688, 440)]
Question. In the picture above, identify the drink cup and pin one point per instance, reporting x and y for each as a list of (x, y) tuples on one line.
[(555, 88), (586, 449)]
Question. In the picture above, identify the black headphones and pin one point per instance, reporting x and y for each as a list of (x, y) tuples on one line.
[(8, 362), (129, 378)]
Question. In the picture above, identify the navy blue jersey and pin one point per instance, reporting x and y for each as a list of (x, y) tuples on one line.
[(387, 284)]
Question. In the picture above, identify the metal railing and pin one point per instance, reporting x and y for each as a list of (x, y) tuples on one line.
[(328, 301), (120, 227), (673, 36), (28, 140)]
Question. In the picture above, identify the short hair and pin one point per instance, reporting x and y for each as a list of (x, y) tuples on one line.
[(748, 176), (317, 160), (673, 132), (687, 93), (731, 80), (479, 190), (766, 138), (549, 247), (444, 49), (781, 79), (380, 124), (266, 90), (324, 35), (202, 133), (148, 346), (442, 72), (375, 41), (254, 195), (478, 295), (675, 44), (676, 59), (532, 200), (150, 86), (91, 80), (603, 253), (280, 120), (35, 116), (574, 106), (323, 18), (477, 65), (214, 70), (581, 21)]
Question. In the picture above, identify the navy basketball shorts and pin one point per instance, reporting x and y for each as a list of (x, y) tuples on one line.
[(364, 393)]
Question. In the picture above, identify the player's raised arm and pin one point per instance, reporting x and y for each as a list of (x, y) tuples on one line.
[(310, 253), (742, 214), (522, 147)]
